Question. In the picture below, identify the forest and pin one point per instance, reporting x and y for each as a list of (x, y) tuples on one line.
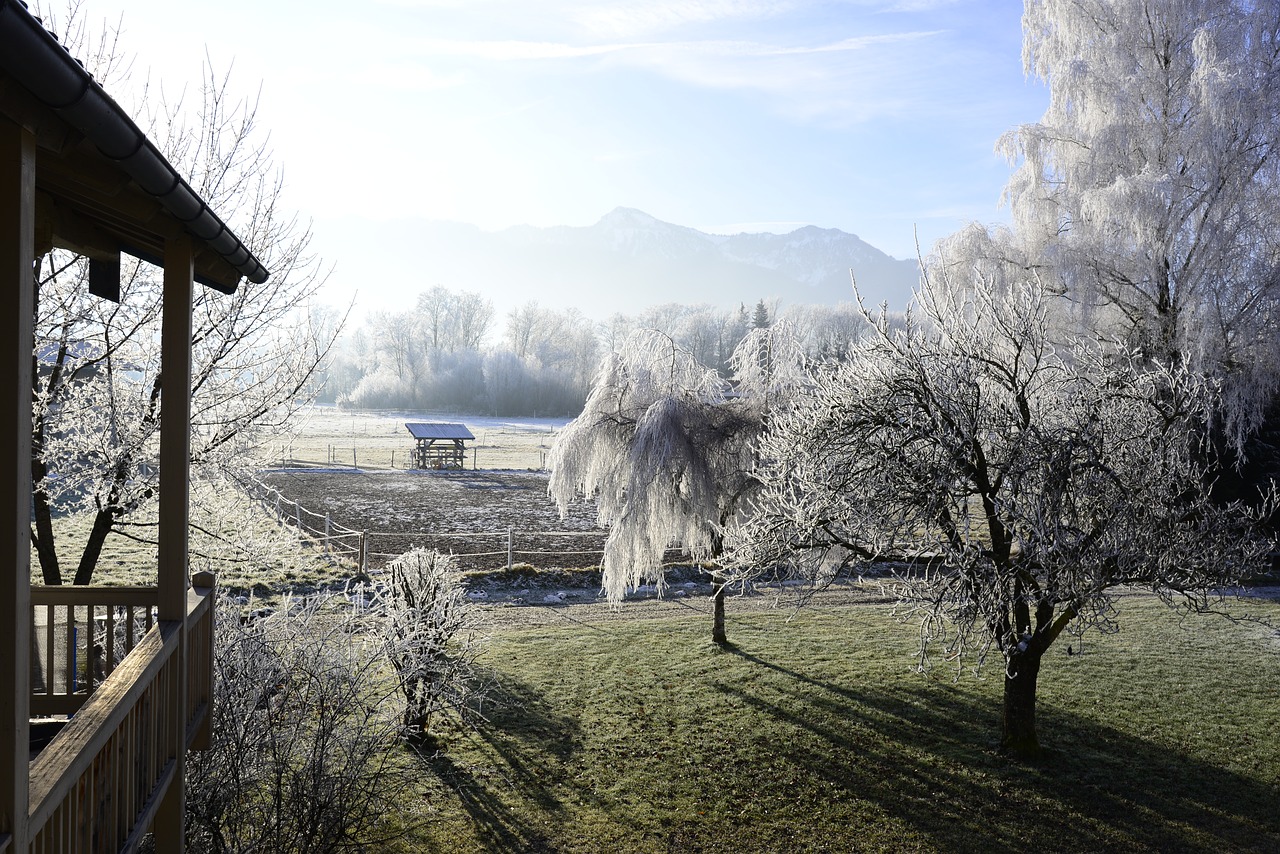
[(451, 353)]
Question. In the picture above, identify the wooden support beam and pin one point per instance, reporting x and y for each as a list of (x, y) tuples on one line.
[(17, 240), (175, 456)]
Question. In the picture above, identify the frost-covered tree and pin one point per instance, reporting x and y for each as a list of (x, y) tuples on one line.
[(1021, 482), (305, 749), (1147, 192), (426, 625), (98, 383), (667, 448)]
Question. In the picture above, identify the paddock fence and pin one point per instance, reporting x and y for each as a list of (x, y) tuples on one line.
[(474, 550)]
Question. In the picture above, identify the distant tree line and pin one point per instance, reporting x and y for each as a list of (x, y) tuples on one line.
[(441, 354)]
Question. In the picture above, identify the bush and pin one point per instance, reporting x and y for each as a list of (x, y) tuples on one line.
[(305, 735), (426, 626)]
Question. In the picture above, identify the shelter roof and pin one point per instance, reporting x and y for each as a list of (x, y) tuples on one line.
[(438, 430), (102, 187)]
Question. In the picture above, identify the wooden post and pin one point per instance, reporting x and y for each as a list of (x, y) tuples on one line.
[(354, 464), (175, 456), (327, 525), (364, 552), (17, 246), (510, 549)]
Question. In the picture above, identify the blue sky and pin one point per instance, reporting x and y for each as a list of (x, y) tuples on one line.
[(875, 117)]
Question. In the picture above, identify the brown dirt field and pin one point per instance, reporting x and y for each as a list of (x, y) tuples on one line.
[(464, 512), (553, 582)]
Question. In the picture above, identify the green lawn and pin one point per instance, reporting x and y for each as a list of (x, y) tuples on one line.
[(815, 734)]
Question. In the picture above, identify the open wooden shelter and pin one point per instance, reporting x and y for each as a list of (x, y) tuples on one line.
[(439, 445), (76, 173)]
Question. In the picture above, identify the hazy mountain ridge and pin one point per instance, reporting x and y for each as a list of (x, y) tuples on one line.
[(630, 260)]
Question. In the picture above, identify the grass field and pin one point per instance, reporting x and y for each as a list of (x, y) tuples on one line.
[(374, 440), (814, 734)]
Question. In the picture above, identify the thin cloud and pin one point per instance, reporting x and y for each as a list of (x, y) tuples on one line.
[(848, 80), (655, 16), (515, 50)]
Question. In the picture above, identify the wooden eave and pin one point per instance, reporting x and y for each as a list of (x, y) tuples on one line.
[(88, 204)]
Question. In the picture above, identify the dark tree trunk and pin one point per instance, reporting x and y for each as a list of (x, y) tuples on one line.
[(1019, 730), (717, 611), (102, 523), (46, 549), (43, 538)]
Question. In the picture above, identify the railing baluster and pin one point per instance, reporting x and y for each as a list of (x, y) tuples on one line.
[(97, 786), (70, 650), (48, 649)]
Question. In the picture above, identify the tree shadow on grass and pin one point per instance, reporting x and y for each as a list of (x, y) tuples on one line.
[(924, 754), (529, 745)]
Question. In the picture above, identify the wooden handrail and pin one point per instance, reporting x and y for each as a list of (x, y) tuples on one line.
[(76, 619), (72, 752), (82, 595), (104, 776)]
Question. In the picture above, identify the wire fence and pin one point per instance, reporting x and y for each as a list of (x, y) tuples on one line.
[(488, 550)]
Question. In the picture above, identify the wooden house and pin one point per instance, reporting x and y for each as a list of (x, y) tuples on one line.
[(76, 173), (439, 445)]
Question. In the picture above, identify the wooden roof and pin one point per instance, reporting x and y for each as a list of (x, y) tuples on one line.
[(438, 430), (102, 187)]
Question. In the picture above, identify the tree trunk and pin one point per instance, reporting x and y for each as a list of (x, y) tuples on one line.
[(46, 549), (1019, 731), (43, 539), (717, 619), (102, 523)]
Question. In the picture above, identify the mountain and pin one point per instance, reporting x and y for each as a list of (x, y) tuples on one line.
[(630, 260)]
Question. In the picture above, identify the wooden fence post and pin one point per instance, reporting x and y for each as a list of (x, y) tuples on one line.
[(364, 552), (510, 544), (327, 525)]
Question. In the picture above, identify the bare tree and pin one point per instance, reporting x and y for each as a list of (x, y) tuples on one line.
[(1021, 482), (96, 364), (305, 751), (666, 447), (1146, 192), (426, 628)]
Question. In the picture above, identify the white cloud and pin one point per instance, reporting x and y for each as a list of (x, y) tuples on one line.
[(640, 17), (851, 79), (404, 76)]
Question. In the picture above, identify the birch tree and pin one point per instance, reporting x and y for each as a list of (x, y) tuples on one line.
[(1019, 482), (1146, 193), (667, 448), (97, 364)]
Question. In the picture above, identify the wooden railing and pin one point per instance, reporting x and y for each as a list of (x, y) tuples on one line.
[(97, 786), (79, 636)]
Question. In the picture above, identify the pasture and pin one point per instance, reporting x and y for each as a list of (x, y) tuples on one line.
[(630, 731), (327, 437), (814, 733)]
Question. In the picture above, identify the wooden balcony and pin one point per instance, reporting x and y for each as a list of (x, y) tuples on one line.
[(100, 782)]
